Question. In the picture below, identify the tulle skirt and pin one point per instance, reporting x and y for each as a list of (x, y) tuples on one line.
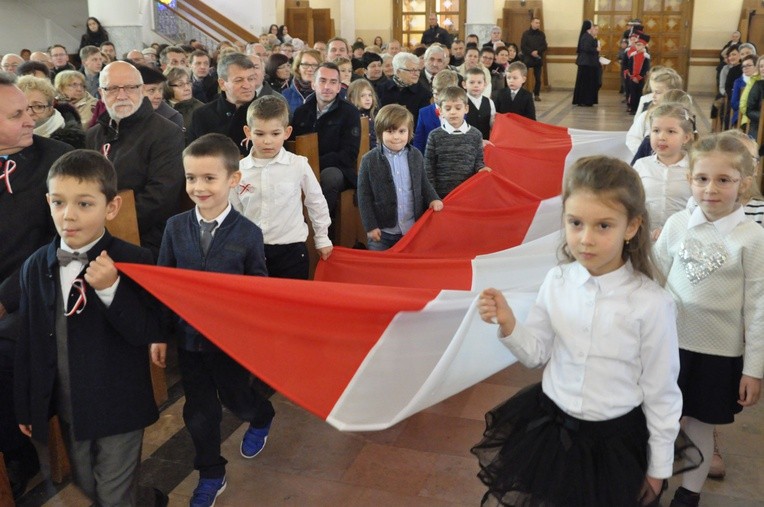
[(533, 454)]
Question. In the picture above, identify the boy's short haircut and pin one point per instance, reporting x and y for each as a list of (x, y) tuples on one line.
[(393, 116), (215, 145), (471, 45), (475, 71), (198, 53), (518, 66), (487, 50), (268, 107), (444, 79), (452, 94), (87, 165)]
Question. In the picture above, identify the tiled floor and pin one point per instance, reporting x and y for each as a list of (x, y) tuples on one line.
[(422, 462)]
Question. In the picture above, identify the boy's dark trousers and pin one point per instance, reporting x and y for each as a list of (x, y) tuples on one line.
[(209, 379), (635, 93)]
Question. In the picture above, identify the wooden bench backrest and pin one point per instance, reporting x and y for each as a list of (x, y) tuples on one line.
[(307, 146)]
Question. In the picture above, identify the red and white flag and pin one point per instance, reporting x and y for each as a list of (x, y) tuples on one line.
[(383, 335)]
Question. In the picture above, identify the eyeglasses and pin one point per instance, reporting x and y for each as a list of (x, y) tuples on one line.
[(410, 70), (721, 182), (309, 65), (114, 90), (11, 66), (181, 84), (286, 66), (38, 108)]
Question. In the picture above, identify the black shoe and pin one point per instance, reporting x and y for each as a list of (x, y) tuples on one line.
[(160, 498), (685, 498)]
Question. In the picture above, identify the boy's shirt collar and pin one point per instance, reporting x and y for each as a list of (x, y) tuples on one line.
[(219, 219), (83, 249), (463, 129), (388, 152), (252, 161)]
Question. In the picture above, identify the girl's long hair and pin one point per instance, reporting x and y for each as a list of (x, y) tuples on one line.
[(614, 180)]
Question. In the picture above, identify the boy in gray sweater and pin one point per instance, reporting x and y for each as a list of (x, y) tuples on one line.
[(455, 150)]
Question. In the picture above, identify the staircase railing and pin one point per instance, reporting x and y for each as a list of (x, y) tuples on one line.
[(179, 21)]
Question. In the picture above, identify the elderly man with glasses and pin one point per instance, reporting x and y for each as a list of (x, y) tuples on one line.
[(145, 148)]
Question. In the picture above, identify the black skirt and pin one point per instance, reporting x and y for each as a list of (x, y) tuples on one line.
[(586, 92), (533, 454), (710, 386)]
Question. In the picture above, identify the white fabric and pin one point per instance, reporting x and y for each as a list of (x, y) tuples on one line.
[(721, 314), (55, 122), (67, 274), (272, 197), (666, 187), (589, 142), (637, 132), (611, 345)]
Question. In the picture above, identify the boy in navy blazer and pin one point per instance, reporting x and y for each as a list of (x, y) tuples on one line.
[(85, 331), (214, 237), (514, 98)]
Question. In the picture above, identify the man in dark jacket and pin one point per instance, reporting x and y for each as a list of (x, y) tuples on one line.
[(338, 124), (26, 226), (241, 80), (435, 33), (145, 148), (533, 45)]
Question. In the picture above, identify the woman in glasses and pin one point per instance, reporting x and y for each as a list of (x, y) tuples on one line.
[(70, 87), (59, 122), (179, 94), (303, 68)]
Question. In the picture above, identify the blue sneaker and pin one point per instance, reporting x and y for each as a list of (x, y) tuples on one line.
[(207, 491), (254, 441)]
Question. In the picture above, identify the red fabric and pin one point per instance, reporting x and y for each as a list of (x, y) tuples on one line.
[(305, 339), (487, 213), (639, 60)]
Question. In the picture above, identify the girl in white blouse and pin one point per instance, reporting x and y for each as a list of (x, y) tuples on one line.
[(664, 174), (713, 258), (600, 430)]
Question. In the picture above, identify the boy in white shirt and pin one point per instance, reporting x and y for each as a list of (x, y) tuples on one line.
[(271, 188)]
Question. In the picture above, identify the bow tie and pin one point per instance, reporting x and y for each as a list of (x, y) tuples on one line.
[(64, 257)]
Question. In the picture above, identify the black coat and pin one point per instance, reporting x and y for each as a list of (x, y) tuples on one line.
[(522, 105), (222, 117), (533, 40), (26, 223), (588, 56), (413, 97), (146, 151), (205, 89), (110, 379), (339, 134), (436, 34)]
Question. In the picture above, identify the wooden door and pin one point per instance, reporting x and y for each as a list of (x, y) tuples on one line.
[(410, 18), (668, 22), (516, 19)]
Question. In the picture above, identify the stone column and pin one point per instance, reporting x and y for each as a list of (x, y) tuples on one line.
[(480, 19), (122, 19)]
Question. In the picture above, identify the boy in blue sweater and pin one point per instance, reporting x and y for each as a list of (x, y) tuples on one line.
[(214, 237)]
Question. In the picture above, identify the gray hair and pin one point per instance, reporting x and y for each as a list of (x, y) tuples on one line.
[(7, 79), (238, 59), (434, 48), (401, 59), (250, 50), (747, 45)]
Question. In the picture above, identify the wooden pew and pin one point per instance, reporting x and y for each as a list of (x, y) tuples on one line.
[(307, 146), (125, 227), (6, 495), (349, 229)]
